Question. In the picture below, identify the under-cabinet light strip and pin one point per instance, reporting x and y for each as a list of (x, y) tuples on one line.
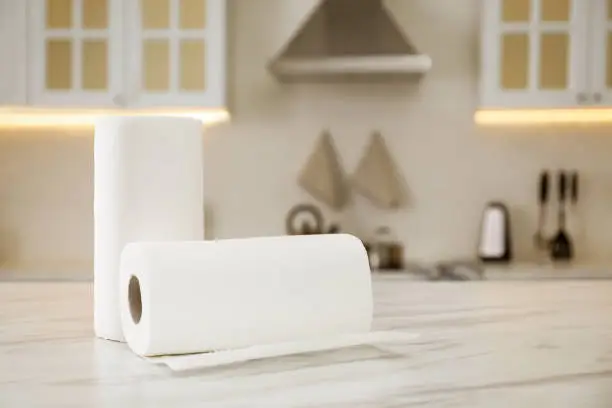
[(525, 117), (41, 118)]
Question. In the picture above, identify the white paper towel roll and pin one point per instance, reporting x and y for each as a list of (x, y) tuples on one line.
[(190, 297), (148, 186)]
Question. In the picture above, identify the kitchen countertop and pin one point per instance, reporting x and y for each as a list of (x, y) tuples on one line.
[(481, 344), (527, 271), (67, 271), (82, 271), (544, 271)]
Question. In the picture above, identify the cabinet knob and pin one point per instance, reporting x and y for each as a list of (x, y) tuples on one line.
[(597, 97), (118, 99), (582, 98)]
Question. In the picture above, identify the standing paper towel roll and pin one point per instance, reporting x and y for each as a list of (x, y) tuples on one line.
[(190, 297), (148, 186)]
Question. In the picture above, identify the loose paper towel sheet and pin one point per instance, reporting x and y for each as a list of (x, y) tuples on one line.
[(246, 298), (148, 186), (227, 357)]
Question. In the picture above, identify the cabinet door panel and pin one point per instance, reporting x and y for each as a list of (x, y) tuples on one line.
[(59, 14), (554, 61), (155, 14), (601, 55), (13, 46), (608, 84), (514, 11), (178, 56), (192, 14), (94, 65), (533, 53), (75, 53), (156, 56), (515, 62), (59, 65), (95, 14), (556, 10), (193, 65)]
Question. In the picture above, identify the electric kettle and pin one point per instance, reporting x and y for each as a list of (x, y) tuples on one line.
[(495, 243)]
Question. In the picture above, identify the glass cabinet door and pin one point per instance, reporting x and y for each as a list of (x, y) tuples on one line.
[(179, 56), (534, 53), (75, 52)]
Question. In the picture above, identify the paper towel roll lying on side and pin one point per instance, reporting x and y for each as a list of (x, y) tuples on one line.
[(299, 293), (148, 187)]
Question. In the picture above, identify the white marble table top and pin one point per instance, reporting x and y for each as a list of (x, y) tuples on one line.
[(481, 344)]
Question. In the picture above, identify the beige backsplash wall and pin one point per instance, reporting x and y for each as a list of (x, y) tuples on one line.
[(451, 167)]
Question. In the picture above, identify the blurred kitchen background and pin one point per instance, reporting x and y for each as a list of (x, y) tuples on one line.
[(450, 167)]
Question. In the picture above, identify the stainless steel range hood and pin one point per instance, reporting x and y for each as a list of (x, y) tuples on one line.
[(348, 40)]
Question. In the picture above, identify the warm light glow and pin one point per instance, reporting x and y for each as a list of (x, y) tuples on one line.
[(524, 117), (37, 118)]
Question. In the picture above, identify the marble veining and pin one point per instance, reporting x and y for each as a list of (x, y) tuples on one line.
[(481, 344)]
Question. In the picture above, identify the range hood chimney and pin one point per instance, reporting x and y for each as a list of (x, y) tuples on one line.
[(348, 40)]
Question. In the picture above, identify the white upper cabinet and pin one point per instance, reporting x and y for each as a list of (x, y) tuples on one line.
[(75, 53), (177, 53), (535, 53), (113, 53)]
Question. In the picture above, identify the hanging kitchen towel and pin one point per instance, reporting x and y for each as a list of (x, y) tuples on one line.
[(377, 176), (322, 176), (148, 186), (243, 299)]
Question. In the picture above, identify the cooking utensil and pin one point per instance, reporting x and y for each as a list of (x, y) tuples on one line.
[(574, 225), (561, 246), (574, 187), (303, 227), (296, 225), (543, 193)]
